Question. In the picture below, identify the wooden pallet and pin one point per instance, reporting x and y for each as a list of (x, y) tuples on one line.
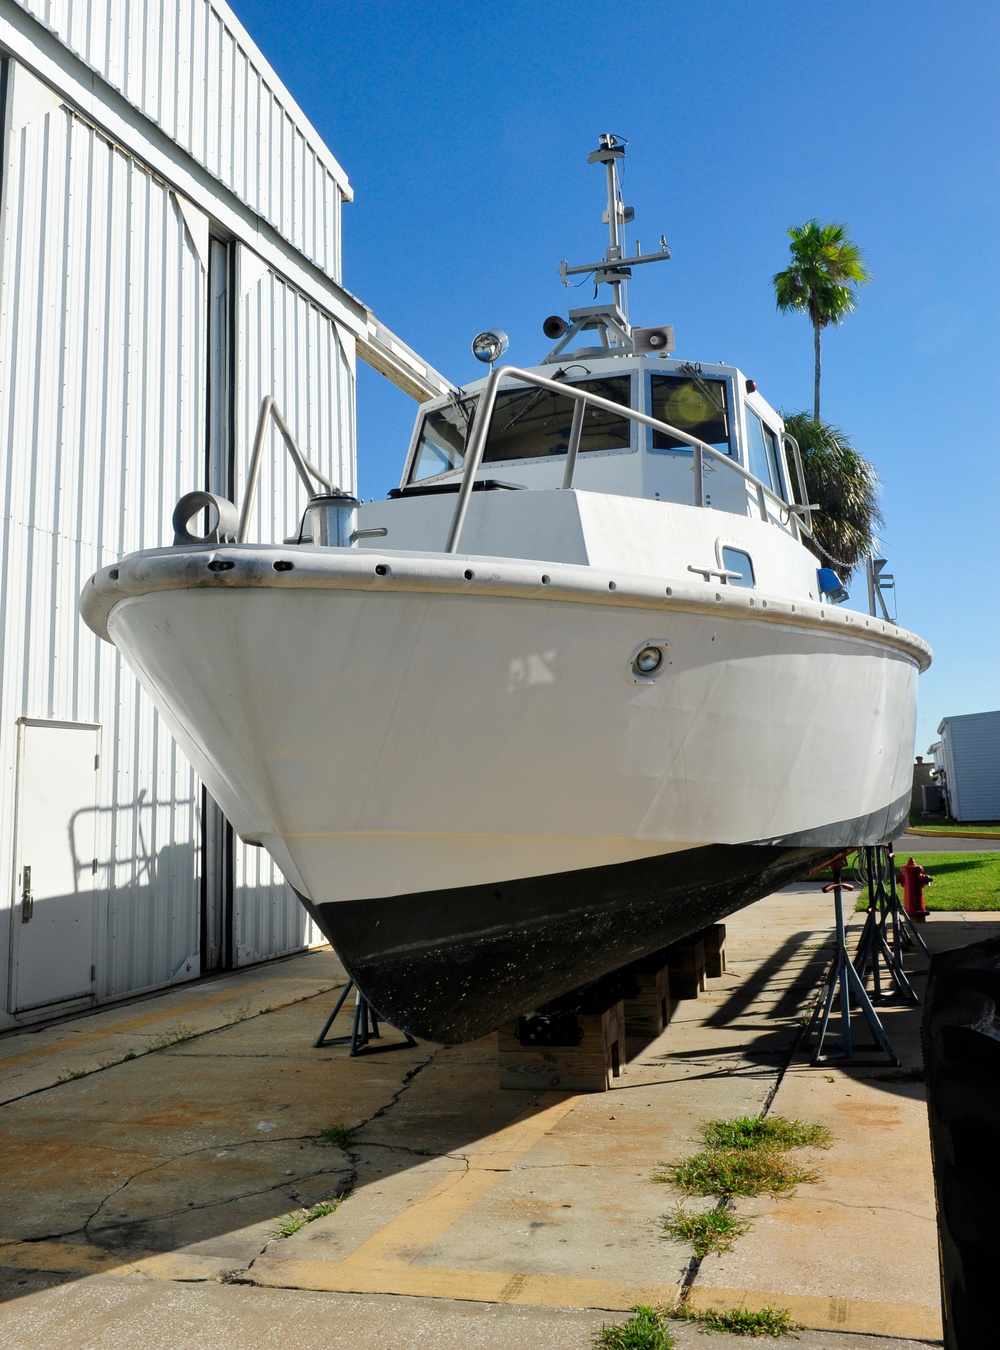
[(588, 1066)]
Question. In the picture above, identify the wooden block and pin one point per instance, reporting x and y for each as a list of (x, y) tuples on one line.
[(714, 938), (586, 1067), (687, 967), (649, 1012)]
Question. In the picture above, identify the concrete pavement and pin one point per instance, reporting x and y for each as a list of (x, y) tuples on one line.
[(152, 1151)]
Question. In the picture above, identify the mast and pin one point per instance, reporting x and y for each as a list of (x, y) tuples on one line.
[(610, 321)]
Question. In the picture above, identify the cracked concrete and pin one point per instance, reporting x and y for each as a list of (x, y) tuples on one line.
[(157, 1181)]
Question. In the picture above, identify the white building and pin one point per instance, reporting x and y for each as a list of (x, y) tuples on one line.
[(967, 763), (169, 255)]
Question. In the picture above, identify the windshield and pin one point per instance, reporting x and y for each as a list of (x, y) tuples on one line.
[(528, 423), (692, 404)]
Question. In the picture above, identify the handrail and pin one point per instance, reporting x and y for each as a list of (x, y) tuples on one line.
[(805, 506), (303, 467), (484, 416)]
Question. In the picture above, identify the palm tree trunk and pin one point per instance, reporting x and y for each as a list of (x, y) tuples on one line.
[(816, 377)]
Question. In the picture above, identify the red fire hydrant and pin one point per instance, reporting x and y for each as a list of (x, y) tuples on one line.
[(914, 879)]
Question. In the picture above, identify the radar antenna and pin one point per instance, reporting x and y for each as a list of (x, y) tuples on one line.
[(614, 269)]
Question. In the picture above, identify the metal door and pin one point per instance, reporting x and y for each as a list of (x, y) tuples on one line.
[(52, 936)]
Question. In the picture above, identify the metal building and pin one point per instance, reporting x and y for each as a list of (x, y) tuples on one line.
[(169, 256), (967, 760)]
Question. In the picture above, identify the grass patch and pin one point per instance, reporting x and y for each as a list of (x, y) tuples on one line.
[(644, 1330), (738, 1321), (775, 1132), (745, 1156), (709, 1234), (340, 1136), (961, 880), (300, 1217), (740, 1171)]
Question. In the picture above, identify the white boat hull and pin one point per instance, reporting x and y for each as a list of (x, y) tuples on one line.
[(421, 737)]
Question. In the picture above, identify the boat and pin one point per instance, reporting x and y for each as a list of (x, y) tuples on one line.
[(578, 688)]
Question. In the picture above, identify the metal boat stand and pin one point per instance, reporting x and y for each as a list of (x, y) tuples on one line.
[(874, 947), (363, 1029), (844, 980)]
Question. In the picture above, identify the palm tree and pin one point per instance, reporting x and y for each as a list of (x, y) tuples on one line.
[(846, 488), (826, 267)]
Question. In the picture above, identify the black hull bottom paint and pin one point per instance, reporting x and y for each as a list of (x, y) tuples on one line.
[(455, 964)]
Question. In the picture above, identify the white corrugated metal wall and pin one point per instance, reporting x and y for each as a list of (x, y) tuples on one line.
[(103, 349), (191, 68), (101, 431)]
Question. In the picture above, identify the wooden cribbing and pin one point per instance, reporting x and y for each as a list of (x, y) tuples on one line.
[(585, 1066), (687, 967), (714, 938)]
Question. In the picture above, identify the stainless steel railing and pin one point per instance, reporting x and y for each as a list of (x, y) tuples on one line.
[(306, 471), (795, 514)]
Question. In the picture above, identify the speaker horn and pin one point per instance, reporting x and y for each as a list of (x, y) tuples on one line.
[(653, 341), (554, 326)]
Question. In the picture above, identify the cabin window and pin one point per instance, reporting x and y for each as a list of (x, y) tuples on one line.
[(692, 404), (528, 423), (531, 423), (735, 560), (442, 439), (762, 454)]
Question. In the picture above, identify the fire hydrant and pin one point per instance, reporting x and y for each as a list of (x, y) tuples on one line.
[(914, 879)]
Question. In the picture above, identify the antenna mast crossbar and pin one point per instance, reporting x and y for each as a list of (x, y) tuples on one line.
[(614, 269)]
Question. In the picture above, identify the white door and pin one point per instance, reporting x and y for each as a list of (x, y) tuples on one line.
[(52, 943)]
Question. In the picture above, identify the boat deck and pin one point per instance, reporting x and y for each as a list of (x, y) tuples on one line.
[(143, 1189)]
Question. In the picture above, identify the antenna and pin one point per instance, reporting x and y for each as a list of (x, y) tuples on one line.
[(614, 269)]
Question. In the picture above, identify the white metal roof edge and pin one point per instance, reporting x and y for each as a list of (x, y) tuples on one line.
[(316, 140)]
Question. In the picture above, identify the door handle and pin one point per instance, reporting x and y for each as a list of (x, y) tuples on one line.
[(27, 899)]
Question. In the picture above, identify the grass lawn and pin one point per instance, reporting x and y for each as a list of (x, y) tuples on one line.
[(961, 880)]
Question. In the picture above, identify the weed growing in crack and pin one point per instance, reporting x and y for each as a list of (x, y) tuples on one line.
[(740, 1171), (172, 1036), (738, 1321), (708, 1234), (243, 1011), (300, 1217), (70, 1074), (745, 1156), (773, 1132), (646, 1329), (340, 1136)]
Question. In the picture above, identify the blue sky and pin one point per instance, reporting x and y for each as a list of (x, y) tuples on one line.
[(465, 128)]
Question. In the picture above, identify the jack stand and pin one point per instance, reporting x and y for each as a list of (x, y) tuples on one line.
[(363, 1029), (904, 931), (843, 978), (873, 945)]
